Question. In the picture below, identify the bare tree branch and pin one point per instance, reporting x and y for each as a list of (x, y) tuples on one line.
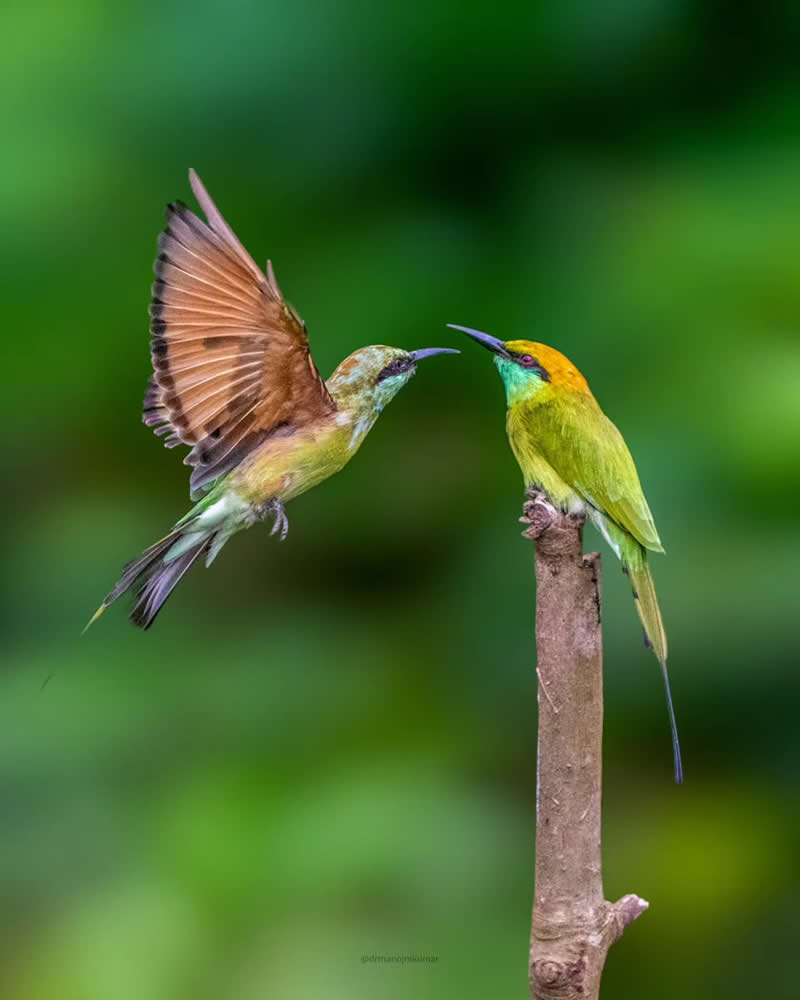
[(573, 924)]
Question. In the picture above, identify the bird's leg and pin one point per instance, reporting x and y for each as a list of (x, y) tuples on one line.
[(281, 523), (275, 507)]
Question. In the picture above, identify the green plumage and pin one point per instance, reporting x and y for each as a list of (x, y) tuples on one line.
[(568, 448)]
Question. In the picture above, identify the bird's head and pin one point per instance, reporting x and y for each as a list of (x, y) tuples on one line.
[(372, 376), (528, 368)]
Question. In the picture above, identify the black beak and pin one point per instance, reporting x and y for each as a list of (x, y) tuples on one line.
[(428, 352), (484, 339)]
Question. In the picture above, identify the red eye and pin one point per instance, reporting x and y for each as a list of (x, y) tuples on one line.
[(527, 361)]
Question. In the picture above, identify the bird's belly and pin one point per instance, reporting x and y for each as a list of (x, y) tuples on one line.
[(538, 473), (285, 467)]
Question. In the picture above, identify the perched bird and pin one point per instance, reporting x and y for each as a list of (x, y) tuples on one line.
[(568, 448), (235, 380)]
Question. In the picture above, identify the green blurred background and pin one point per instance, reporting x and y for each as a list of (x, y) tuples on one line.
[(327, 749)]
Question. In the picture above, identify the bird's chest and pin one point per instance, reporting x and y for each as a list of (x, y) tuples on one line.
[(532, 441)]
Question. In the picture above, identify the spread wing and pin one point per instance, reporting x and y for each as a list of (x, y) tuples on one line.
[(231, 359), (585, 448)]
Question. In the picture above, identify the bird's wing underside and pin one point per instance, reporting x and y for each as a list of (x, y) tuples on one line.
[(587, 450), (231, 359)]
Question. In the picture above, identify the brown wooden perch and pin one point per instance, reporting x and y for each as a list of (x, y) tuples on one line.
[(573, 924)]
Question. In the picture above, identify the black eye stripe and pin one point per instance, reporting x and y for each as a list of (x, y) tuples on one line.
[(396, 367), (530, 364)]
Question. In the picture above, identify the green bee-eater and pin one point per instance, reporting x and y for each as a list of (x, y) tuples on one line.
[(568, 448), (234, 379)]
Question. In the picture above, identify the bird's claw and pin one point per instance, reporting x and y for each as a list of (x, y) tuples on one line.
[(281, 522), (537, 514)]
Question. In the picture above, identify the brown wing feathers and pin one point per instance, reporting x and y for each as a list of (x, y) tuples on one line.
[(231, 360)]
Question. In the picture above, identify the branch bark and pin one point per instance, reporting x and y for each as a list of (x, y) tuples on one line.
[(573, 924)]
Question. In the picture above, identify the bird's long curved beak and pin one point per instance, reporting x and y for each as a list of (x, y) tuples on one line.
[(428, 352), (486, 340)]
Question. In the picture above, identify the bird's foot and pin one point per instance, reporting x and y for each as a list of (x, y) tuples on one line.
[(537, 513), (275, 508)]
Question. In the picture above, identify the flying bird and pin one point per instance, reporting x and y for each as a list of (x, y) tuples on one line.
[(568, 448), (234, 379)]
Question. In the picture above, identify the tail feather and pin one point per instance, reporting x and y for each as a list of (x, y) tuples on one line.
[(158, 570), (644, 596), (139, 566), (157, 587), (154, 575)]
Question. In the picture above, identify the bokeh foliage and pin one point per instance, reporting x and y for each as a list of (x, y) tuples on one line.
[(326, 749)]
